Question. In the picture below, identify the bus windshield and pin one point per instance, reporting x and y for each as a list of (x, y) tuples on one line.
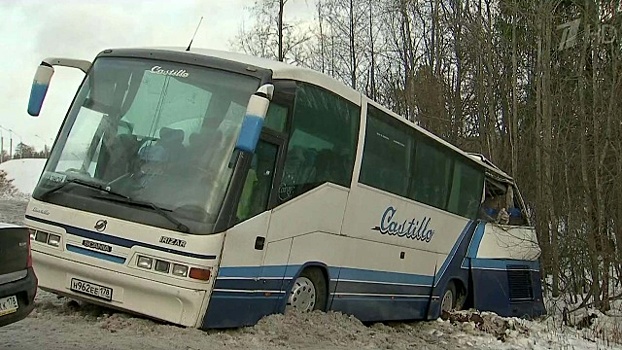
[(153, 132)]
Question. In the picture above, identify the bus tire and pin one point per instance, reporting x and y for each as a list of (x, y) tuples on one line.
[(449, 297), (308, 292)]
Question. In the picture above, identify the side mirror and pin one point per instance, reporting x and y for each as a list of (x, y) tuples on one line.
[(43, 76), (254, 118), (39, 89)]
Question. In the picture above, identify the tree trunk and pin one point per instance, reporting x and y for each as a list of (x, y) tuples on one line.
[(352, 49), (281, 5), (547, 149), (372, 65)]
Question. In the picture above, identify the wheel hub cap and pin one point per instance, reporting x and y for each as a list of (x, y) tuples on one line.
[(302, 296), (447, 301)]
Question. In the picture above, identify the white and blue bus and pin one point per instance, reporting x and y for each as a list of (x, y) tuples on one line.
[(209, 189)]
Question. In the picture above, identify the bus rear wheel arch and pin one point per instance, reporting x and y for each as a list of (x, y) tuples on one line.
[(309, 291)]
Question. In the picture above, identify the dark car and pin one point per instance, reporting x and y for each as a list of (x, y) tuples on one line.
[(18, 282)]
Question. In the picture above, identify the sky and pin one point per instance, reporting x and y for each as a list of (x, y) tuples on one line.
[(31, 30)]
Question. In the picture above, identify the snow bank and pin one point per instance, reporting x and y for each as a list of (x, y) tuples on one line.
[(24, 172), (99, 328)]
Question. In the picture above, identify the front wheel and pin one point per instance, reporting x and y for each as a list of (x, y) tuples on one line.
[(308, 292), (448, 300)]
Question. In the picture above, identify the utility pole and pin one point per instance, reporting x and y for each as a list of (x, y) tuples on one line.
[(10, 144), (2, 143), (45, 146), (20, 144)]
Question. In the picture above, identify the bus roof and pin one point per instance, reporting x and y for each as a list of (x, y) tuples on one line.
[(281, 70)]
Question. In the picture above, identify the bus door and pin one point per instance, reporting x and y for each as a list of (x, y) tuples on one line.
[(244, 291)]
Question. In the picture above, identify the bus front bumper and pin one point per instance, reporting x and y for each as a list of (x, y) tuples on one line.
[(128, 293)]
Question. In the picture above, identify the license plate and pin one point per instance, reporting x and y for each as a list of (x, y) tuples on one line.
[(91, 289), (8, 305)]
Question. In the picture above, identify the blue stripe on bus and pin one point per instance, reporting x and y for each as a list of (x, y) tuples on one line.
[(502, 264), (345, 288), (250, 284), (123, 242), (476, 240), (239, 273), (382, 308), (454, 250), (80, 250), (376, 276), (223, 294), (263, 271), (355, 280)]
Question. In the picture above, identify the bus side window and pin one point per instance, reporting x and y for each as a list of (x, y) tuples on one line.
[(258, 184), (432, 175), (466, 189), (387, 153), (322, 142)]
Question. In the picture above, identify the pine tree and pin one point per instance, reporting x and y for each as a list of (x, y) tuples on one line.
[(6, 185)]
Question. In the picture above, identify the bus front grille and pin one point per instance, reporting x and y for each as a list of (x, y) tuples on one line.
[(519, 279)]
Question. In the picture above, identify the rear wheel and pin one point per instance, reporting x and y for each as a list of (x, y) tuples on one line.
[(308, 292)]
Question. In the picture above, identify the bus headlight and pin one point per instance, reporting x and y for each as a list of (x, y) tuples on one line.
[(50, 239), (53, 240), (162, 266), (144, 262), (180, 270), (41, 237)]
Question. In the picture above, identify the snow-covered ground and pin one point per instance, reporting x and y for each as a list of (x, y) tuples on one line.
[(59, 324), (24, 173)]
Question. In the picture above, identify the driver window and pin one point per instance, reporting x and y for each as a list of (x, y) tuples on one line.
[(516, 210), (77, 156), (258, 184)]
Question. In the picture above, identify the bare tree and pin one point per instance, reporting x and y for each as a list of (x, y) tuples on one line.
[(269, 35)]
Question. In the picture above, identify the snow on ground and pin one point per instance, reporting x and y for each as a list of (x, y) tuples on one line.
[(59, 324), (24, 172), (590, 322)]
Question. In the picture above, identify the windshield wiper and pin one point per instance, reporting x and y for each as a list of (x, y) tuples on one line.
[(74, 181), (130, 201), (122, 199)]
